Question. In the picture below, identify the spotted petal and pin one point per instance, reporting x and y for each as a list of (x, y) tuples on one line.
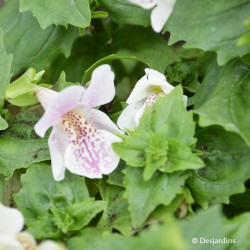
[(101, 89), (144, 86), (66, 100), (58, 142), (89, 152)]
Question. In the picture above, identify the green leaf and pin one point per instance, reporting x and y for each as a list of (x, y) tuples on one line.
[(125, 12), (160, 237), (213, 231), (3, 123), (21, 92), (76, 215), (138, 46), (36, 48), (20, 146), (226, 159), (42, 199), (63, 12), (223, 98), (211, 27), (116, 214), (144, 196), (5, 65)]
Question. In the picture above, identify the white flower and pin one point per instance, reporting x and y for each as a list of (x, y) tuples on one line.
[(11, 237), (81, 137), (11, 223), (145, 93), (161, 12)]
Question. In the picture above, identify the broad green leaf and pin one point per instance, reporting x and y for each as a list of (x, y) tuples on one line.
[(226, 158), (124, 12), (142, 45), (20, 146), (223, 98), (144, 196), (63, 12), (65, 205), (5, 65), (116, 214), (212, 26), (36, 47)]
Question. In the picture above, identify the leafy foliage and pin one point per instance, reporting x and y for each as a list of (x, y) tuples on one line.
[(182, 158)]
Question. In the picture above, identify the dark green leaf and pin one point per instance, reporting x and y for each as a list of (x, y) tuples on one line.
[(211, 27), (36, 47), (223, 98), (226, 159), (20, 146)]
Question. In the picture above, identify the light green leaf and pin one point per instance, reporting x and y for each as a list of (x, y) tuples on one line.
[(77, 215), (42, 199), (211, 27), (116, 214), (223, 98), (21, 92), (226, 159), (124, 12), (3, 123), (20, 146), (144, 196), (63, 12), (36, 47)]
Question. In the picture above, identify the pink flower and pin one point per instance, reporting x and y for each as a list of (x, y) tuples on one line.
[(81, 136)]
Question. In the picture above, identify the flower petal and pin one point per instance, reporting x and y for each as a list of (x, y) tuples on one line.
[(101, 89), (98, 118), (45, 95), (11, 221), (9, 243), (89, 150), (126, 120), (161, 13), (50, 245), (146, 4), (144, 86), (58, 142), (66, 100)]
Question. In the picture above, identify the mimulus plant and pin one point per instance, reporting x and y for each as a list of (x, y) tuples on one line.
[(161, 12), (145, 93), (81, 137)]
